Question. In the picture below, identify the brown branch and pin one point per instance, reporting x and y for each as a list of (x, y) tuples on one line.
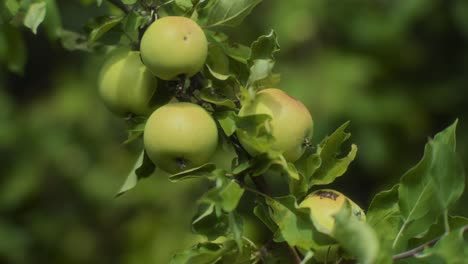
[(262, 186), (120, 5), (416, 250), (294, 255)]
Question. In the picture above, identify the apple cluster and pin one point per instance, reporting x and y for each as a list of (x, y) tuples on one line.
[(182, 135), (175, 46)]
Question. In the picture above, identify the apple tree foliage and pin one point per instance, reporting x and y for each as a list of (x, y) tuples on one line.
[(409, 223)]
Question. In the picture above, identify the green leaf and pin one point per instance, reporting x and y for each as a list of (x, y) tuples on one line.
[(216, 73), (294, 224), (355, 236), (202, 253), (227, 121), (135, 128), (246, 95), (265, 47), (239, 255), (255, 131), (52, 22), (262, 211), (438, 229), (448, 175), (101, 26), (218, 62), (207, 170), (260, 70), (448, 136), (74, 41), (238, 52), (261, 60), (185, 5), (298, 187), (225, 196), (332, 167), (236, 227), (129, 2), (132, 23), (308, 164), (208, 95), (35, 15), (438, 175), (15, 49), (211, 253), (207, 223), (9, 8), (225, 12), (451, 248), (143, 168), (262, 162), (307, 257), (384, 216)]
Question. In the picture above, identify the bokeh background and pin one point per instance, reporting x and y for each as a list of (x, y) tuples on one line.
[(397, 69)]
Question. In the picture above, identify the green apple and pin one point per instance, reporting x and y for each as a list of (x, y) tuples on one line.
[(125, 85), (324, 204), (255, 230), (291, 123), (173, 46), (180, 136)]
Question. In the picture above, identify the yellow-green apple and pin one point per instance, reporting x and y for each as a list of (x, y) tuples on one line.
[(174, 46), (180, 136), (125, 84), (324, 204), (291, 124)]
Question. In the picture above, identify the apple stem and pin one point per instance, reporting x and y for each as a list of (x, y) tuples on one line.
[(306, 143), (196, 82), (181, 163), (296, 258), (181, 89)]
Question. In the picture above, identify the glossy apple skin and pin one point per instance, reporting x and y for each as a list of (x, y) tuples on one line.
[(291, 122), (125, 84), (180, 136), (174, 46), (324, 204)]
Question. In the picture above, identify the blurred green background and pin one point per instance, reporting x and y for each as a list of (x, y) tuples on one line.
[(397, 69)]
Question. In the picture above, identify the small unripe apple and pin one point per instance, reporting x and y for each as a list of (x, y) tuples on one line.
[(254, 230), (324, 204), (173, 46), (291, 122), (180, 136), (125, 85)]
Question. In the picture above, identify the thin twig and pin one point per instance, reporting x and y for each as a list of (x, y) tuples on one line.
[(416, 250), (120, 5), (262, 186), (294, 254)]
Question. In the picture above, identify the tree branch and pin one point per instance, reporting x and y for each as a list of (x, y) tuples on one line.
[(295, 256), (120, 5), (416, 250), (262, 186)]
